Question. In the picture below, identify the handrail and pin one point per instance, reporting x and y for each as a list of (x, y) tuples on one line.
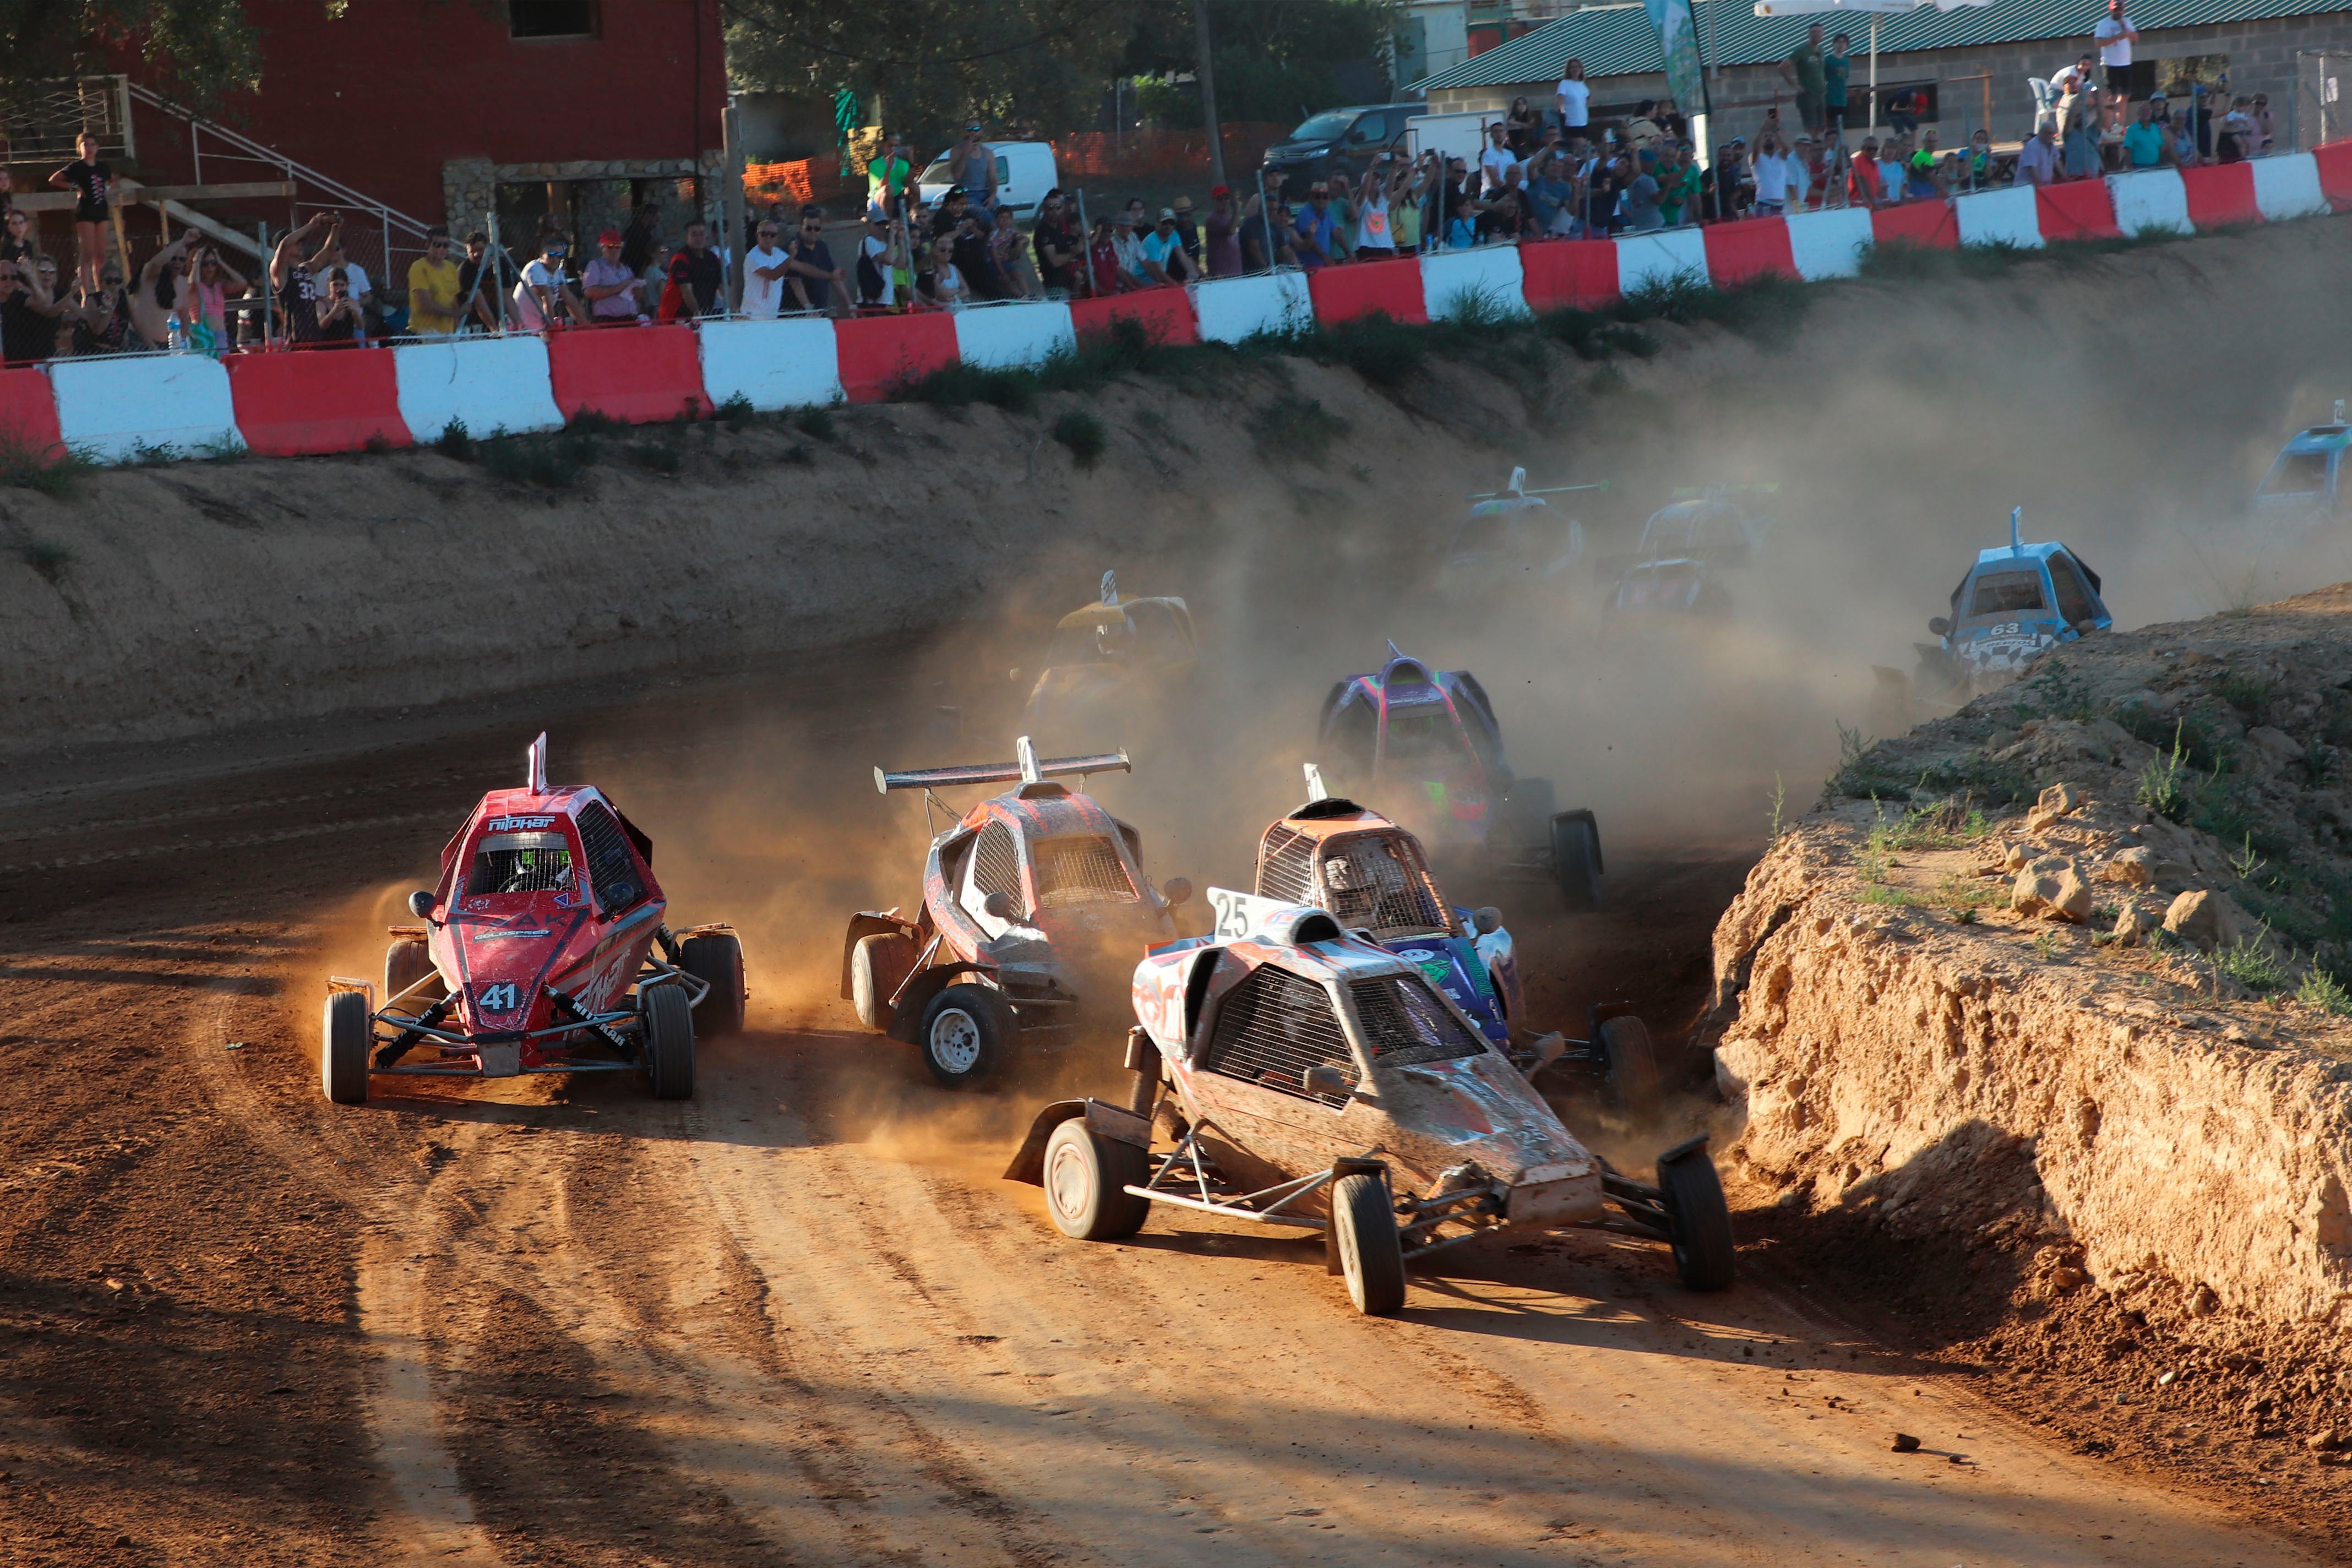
[(262, 152)]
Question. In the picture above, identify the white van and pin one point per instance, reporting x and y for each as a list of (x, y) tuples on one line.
[(1024, 172)]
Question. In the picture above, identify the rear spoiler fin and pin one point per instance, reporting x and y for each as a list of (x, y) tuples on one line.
[(1029, 769)]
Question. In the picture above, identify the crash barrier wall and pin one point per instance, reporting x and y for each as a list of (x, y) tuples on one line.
[(1392, 289), (1828, 244), (1482, 282), (1165, 314), (638, 375), (28, 411), (117, 409), (135, 405), (775, 365), (2013, 216), (1004, 337), (338, 400), (486, 384)]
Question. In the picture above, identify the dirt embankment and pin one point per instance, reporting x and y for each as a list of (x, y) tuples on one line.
[(2063, 1001)]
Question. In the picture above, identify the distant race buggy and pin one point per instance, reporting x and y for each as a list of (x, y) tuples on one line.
[(1424, 747), (1512, 539), (2306, 481), (1374, 880), (1687, 546), (1032, 901), (2014, 605), (1104, 659), (544, 950), (1300, 1077)]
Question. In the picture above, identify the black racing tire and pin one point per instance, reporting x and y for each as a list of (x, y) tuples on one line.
[(1087, 1177), (1372, 1258), (668, 1041), (1630, 1060), (878, 965), (967, 1034), (1576, 859), (1704, 1255), (1524, 816), (407, 961), (716, 958), (344, 1038)]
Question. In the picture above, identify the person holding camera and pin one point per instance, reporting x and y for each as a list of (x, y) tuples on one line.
[(1384, 187)]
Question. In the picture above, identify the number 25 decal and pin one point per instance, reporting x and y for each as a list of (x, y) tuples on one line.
[(498, 998)]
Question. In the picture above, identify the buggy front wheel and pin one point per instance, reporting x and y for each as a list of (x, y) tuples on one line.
[(1630, 1060), (1576, 859), (1704, 1253), (345, 1037), (966, 1034), (1370, 1254), (716, 958), (668, 1041), (1086, 1178)]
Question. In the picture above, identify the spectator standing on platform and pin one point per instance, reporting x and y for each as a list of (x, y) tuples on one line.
[(697, 278), (90, 181), (1837, 70), (1521, 128), (1572, 99), (2115, 36), (1221, 239), (1061, 257), (1804, 70), (432, 286), (972, 165), (297, 288), (2072, 82), (608, 285), (885, 180), (811, 275)]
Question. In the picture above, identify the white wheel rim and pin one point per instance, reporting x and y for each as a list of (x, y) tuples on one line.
[(1068, 1182), (955, 1041)]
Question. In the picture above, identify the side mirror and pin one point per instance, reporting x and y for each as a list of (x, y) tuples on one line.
[(1323, 1078), (420, 904), (1488, 920), (1176, 891), (1939, 626), (998, 906)]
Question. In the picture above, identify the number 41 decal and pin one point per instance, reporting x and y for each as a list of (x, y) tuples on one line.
[(498, 998)]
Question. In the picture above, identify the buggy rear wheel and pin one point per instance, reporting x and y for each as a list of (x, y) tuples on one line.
[(716, 958), (1576, 859), (1630, 1058), (406, 962), (1704, 1255), (668, 1041), (966, 1033), (1086, 1179), (878, 965), (345, 1036), (1371, 1255)]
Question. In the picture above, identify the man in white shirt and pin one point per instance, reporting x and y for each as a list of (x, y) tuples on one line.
[(1573, 97), (1495, 163), (763, 274), (1773, 167), (2115, 36), (2037, 160), (2071, 84)]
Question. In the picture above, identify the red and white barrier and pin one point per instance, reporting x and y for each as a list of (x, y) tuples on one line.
[(2288, 186), (118, 409), (1569, 274), (790, 363), (1486, 280), (1391, 289), (1231, 309), (28, 411), (2013, 216), (1928, 224), (2150, 201), (2079, 209), (2334, 162), (1828, 244), (2219, 196), (486, 384), (881, 354), (1738, 253), (635, 374), (313, 401), (1006, 337), (1660, 258), (1164, 314)]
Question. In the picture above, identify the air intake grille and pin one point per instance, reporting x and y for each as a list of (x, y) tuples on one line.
[(1285, 867), (1080, 869), (611, 871), (995, 864), (1370, 884), (1405, 1023), (1273, 1026)]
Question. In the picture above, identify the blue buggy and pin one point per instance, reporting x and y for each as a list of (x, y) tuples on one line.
[(2014, 605)]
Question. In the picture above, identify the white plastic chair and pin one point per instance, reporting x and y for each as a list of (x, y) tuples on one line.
[(2045, 101)]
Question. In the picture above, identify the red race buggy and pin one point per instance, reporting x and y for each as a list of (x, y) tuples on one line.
[(1032, 901), (1302, 1077), (544, 950)]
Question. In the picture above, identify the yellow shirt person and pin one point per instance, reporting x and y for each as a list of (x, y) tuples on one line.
[(433, 289)]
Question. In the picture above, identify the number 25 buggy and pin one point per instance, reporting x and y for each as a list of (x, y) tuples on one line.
[(545, 917), (1314, 1080), (1033, 902)]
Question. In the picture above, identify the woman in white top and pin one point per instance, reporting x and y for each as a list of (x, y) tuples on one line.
[(1773, 167), (1573, 97), (1384, 183), (947, 283)]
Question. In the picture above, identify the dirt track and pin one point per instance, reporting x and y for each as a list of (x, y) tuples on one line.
[(800, 1319)]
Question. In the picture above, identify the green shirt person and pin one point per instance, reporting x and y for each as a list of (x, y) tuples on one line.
[(1802, 70)]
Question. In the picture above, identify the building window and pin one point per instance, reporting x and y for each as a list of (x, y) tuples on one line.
[(552, 18)]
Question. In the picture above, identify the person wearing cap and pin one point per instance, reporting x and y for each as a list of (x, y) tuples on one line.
[(1129, 252), (765, 266), (433, 288), (953, 208), (877, 286), (1163, 252), (1061, 251), (543, 295), (971, 163), (1317, 237), (610, 287), (1188, 231), (1223, 245)]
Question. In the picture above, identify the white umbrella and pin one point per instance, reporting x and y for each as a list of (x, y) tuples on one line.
[(1877, 8)]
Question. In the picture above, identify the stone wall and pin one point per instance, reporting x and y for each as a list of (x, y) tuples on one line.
[(470, 189)]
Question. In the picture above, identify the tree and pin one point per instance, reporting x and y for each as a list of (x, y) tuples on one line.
[(206, 47), (1276, 59), (936, 64)]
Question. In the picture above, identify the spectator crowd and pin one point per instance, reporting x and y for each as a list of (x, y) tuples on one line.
[(1558, 171)]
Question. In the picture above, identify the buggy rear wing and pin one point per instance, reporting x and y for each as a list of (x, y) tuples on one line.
[(1028, 769)]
